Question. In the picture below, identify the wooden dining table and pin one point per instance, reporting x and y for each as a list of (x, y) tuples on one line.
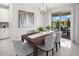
[(36, 39)]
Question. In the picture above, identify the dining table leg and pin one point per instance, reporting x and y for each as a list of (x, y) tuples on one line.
[(35, 51), (43, 41)]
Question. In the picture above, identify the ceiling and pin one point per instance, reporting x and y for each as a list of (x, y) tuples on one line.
[(36, 5), (49, 5)]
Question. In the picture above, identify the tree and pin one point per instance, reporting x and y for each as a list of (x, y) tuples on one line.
[(68, 22), (57, 24)]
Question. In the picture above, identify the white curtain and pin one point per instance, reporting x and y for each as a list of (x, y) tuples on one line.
[(26, 19)]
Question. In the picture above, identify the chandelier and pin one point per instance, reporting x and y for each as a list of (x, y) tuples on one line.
[(43, 8)]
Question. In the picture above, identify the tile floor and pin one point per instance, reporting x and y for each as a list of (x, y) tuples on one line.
[(67, 48)]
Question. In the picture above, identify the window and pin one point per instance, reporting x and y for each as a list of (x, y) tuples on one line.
[(26, 19), (61, 20)]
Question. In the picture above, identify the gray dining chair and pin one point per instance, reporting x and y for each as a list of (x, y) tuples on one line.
[(58, 37), (31, 32), (49, 44), (22, 49)]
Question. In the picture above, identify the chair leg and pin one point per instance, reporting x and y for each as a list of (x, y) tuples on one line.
[(34, 51), (47, 53), (59, 45), (52, 52), (22, 40), (56, 47)]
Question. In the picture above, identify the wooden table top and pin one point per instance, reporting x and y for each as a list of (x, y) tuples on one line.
[(39, 34)]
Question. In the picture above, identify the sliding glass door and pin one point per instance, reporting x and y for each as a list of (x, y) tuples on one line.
[(61, 21)]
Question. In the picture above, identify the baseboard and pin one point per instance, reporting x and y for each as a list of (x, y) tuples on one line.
[(4, 38)]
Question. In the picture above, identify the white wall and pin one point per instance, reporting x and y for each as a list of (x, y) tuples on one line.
[(14, 8), (75, 10)]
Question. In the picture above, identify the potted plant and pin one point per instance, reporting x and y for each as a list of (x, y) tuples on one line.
[(48, 27), (51, 27), (40, 29)]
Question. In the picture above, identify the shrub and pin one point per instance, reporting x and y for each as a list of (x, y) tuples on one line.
[(52, 26), (40, 29), (48, 27)]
